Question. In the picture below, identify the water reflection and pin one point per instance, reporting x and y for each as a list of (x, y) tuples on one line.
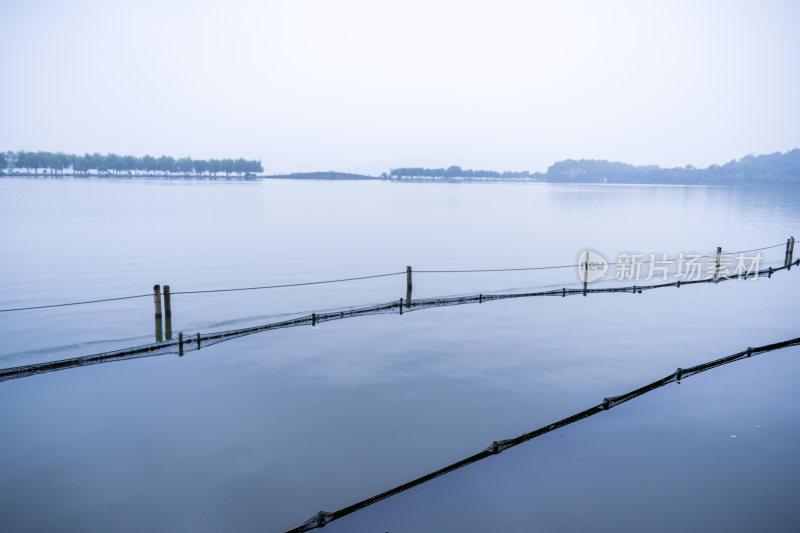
[(322, 518)]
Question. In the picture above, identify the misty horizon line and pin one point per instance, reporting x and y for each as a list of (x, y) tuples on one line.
[(67, 161)]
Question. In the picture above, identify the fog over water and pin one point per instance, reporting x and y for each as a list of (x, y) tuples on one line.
[(368, 86)]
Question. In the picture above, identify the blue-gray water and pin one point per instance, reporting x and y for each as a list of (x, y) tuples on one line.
[(259, 433)]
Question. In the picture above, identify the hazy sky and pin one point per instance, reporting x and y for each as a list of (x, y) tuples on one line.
[(367, 86)]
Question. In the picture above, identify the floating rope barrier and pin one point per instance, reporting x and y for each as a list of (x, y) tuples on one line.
[(196, 341), (342, 280), (322, 518)]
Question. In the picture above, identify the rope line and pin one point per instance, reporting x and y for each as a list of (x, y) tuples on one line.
[(322, 518), (194, 342), (577, 265), (357, 278), (291, 284), (204, 291), (75, 303)]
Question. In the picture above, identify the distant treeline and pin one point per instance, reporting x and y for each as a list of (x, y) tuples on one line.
[(772, 168), (116, 165)]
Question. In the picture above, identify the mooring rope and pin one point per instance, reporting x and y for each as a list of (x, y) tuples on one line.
[(322, 518)]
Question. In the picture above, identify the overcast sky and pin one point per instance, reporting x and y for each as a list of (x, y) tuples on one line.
[(368, 86)]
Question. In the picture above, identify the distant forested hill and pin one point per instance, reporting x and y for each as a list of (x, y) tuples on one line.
[(772, 168)]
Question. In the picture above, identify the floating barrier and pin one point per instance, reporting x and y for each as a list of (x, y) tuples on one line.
[(322, 518), (193, 342)]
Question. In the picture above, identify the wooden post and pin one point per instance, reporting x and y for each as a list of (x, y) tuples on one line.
[(480, 298), (716, 268), (157, 302), (180, 344), (313, 319), (167, 313), (408, 287), (791, 253), (786, 254), (401, 306), (198, 341), (586, 273)]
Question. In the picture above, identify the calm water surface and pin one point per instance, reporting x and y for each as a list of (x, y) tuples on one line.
[(261, 432)]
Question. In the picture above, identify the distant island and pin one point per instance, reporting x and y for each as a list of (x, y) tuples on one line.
[(776, 168)]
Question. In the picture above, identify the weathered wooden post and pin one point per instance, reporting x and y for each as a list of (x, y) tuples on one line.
[(790, 253), (586, 273), (401, 306), (408, 287), (786, 253), (180, 344), (167, 313), (716, 268), (157, 299), (313, 319), (157, 302), (198, 341)]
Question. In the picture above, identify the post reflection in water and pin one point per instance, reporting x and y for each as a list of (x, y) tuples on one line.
[(159, 330)]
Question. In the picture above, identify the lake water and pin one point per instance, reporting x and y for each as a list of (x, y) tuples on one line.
[(260, 433)]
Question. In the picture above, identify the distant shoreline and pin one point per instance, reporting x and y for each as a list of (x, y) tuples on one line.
[(404, 179), (769, 169)]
